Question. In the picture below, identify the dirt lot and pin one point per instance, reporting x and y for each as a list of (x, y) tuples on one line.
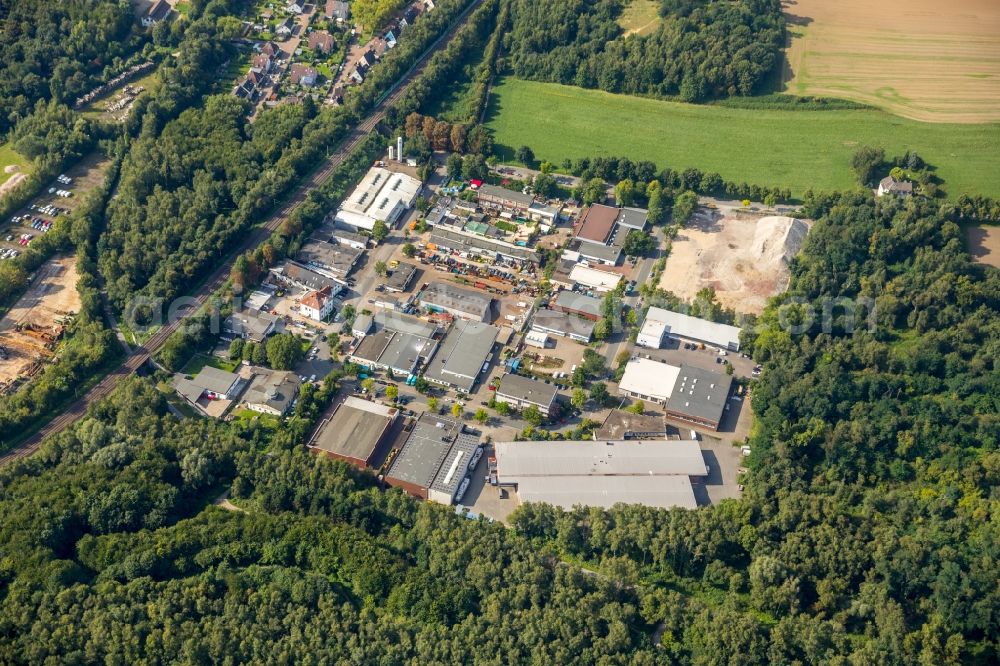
[(50, 297), (921, 59), (984, 244), (743, 256)]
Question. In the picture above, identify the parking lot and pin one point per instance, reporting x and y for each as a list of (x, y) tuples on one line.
[(24, 226), (676, 353)]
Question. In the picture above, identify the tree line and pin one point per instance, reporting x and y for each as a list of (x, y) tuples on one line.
[(700, 50)]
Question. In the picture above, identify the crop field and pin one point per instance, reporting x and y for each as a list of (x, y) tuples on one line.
[(922, 59), (640, 17), (798, 149)]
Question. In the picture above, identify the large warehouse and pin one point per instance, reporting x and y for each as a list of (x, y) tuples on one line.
[(464, 354), (602, 473), (662, 324), (688, 393), (461, 302), (381, 195), (434, 459), (358, 432)]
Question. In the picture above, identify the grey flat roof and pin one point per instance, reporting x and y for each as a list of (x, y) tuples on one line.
[(394, 349), (466, 242), (403, 323), (634, 218), (597, 251), (633, 457), (700, 393), (452, 297), (448, 477), (504, 193), (527, 389), (254, 323), (187, 388), (400, 276), (462, 354), (554, 320), (579, 302), (354, 429), (568, 491), (430, 450), (338, 259)]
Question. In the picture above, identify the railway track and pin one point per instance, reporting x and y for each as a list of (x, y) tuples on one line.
[(142, 354)]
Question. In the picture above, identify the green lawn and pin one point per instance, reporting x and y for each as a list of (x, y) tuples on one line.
[(8, 157), (640, 17), (199, 361), (786, 148)]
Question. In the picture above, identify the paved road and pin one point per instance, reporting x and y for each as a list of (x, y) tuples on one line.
[(143, 353)]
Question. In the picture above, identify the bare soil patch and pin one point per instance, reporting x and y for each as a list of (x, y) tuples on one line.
[(743, 256), (921, 59), (984, 244), (29, 331)]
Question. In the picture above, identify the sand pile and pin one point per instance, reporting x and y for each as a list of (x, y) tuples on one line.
[(778, 238)]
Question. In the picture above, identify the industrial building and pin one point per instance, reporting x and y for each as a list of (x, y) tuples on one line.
[(564, 325), (293, 274), (209, 384), (602, 473), (400, 277), (699, 396), (499, 198), (463, 241), (434, 461), (596, 224), (575, 303), (395, 342), (465, 353), (661, 325), (649, 380), (594, 278), (626, 425), (381, 195), (334, 260), (461, 302), (523, 392), (607, 255), (358, 432)]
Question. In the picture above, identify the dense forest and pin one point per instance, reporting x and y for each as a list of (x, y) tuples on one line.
[(865, 537), (702, 49), (57, 50)]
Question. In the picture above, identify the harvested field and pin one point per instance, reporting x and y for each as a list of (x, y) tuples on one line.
[(921, 59), (51, 296), (984, 244), (743, 256)]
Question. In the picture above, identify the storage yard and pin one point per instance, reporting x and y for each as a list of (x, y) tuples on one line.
[(743, 256), (29, 332)]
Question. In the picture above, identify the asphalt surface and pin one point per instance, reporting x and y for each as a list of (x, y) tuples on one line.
[(142, 354)]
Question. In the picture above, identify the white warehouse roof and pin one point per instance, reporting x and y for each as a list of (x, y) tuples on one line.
[(593, 278), (381, 195), (602, 473), (660, 322), (646, 377)]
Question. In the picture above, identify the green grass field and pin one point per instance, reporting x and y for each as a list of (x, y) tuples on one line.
[(787, 148), (8, 157)]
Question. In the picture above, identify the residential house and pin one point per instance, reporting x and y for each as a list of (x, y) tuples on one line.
[(285, 28), (261, 63), (295, 6), (158, 12), (338, 10), (321, 41), (889, 185), (272, 392), (271, 50), (303, 75), (252, 326), (317, 305)]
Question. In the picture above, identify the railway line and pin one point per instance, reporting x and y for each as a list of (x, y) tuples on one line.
[(142, 354)]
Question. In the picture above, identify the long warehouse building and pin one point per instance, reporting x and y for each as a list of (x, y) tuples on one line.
[(602, 473)]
